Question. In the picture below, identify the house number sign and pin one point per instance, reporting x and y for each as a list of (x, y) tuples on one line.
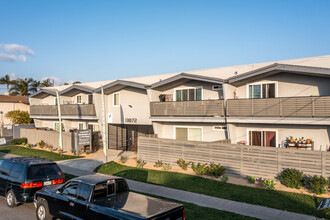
[(131, 120)]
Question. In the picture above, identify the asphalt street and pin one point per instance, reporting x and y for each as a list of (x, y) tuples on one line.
[(20, 212)]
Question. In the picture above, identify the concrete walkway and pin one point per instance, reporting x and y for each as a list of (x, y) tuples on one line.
[(78, 168)]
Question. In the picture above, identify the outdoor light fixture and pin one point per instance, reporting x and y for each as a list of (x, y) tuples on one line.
[(130, 106)]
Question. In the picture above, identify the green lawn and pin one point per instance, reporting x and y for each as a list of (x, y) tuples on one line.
[(198, 212), (293, 202), (28, 152)]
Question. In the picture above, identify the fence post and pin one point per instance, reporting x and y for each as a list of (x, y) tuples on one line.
[(241, 160), (313, 114), (323, 163), (280, 104), (279, 160)]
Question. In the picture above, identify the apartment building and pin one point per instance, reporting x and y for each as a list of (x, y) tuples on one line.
[(10, 103), (264, 104)]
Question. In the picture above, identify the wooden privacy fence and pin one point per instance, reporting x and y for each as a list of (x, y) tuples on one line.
[(239, 160)]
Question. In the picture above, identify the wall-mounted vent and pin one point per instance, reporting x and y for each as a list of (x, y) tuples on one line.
[(216, 87), (220, 128)]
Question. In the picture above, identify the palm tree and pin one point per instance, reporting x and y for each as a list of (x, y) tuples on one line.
[(35, 86), (22, 87), (46, 83), (6, 81)]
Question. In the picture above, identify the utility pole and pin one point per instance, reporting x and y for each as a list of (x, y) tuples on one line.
[(104, 122), (60, 143)]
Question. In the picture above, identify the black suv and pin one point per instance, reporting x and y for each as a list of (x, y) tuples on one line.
[(21, 177)]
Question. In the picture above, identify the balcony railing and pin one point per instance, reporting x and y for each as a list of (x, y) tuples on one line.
[(66, 110), (314, 106), (205, 108)]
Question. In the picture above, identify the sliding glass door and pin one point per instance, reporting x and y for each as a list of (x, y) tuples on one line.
[(262, 138)]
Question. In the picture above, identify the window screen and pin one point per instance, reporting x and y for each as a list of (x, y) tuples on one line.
[(181, 134)]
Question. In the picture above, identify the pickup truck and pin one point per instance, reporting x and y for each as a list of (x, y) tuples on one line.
[(101, 197)]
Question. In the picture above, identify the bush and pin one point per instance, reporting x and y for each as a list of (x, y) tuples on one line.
[(224, 178), (19, 117), (41, 144), (182, 163), (167, 166), (200, 169), (317, 184), (123, 159), (140, 163), (269, 184), (19, 141), (159, 163), (251, 180), (291, 178), (28, 145), (216, 170)]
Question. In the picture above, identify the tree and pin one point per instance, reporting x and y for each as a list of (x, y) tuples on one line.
[(46, 83), (6, 81), (19, 117), (22, 87), (35, 86), (76, 82)]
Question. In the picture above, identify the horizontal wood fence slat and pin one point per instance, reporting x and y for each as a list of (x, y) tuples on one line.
[(239, 160), (66, 109)]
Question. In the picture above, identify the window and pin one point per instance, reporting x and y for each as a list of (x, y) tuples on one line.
[(81, 126), (55, 101), (70, 189), (78, 99), (84, 191), (116, 99), (17, 171), (191, 94), (262, 138), (264, 90), (6, 166), (190, 134), (57, 126), (94, 127), (43, 171)]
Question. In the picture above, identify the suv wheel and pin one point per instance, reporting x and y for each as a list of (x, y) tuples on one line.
[(10, 199), (42, 211)]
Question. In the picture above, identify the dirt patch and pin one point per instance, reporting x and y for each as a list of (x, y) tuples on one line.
[(132, 162)]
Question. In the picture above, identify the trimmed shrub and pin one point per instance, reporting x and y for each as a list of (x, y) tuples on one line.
[(41, 144), (200, 169), (123, 159), (167, 166), (269, 184), (291, 178), (140, 163), (19, 141), (251, 180), (224, 178), (317, 184), (216, 170), (159, 163), (183, 164)]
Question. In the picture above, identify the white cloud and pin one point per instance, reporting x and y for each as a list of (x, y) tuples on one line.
[(13, 76), (57, 80), (14, 52), (16, 48), (22, 57), (7, 57)]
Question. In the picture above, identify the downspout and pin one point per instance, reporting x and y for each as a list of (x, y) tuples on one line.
[(104, 136), (60, 143)]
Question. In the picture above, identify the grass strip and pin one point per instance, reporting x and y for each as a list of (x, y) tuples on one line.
[(293, 202), (28, 152)]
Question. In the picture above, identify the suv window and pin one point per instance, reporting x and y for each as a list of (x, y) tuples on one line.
[(6, 166), (1, 161), (42, 171), (17, 171), (84, 191), (70, 189)]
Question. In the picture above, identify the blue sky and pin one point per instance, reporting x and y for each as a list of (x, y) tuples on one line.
[(99, 40)]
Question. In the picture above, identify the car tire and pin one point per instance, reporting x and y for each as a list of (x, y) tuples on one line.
[(11, 199), (42, 211)]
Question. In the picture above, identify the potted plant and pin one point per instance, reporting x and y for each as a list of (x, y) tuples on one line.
[(308, 141), (291, 139)]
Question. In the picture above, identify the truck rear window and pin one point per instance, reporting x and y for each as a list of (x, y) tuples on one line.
[(43, 171), (106, 189)]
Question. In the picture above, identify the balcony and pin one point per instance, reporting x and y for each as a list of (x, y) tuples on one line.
[(205, 108), (306, 107), (66, 110)]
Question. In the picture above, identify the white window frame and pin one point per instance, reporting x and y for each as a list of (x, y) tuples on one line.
[(79, 123), (188, 131), (197, 87), (80, 99), (261, 83), (113, 99), (262, 129), (91, 123), (58, 123)]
